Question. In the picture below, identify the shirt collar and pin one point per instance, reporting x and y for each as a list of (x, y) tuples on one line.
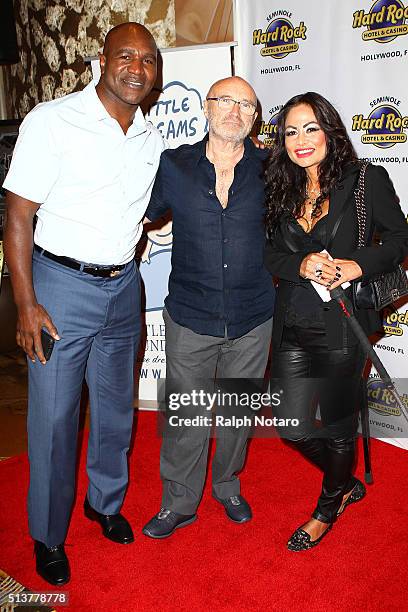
[(92, 103), (200, 149), (96, 109), (250, 150)]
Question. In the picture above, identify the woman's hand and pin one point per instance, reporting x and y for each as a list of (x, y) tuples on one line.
[(349, 270), (318, 268)]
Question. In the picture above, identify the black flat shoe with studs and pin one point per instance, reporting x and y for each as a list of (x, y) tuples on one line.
[(301, 540), (357, 492)]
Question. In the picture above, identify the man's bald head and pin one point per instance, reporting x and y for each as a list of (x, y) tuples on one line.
[(219, 87), (230, 124), (128, 67), (123, 30)]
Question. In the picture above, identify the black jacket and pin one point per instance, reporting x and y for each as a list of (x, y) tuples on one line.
[(384, 215)]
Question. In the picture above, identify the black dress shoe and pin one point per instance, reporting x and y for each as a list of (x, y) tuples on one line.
[(114, 526), (236, 508), (165, 522), (52, 563)]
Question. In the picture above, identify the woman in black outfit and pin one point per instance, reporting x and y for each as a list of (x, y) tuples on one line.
[(311, 178)]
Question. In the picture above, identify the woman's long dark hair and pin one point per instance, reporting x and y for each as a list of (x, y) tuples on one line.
[(285, 180)]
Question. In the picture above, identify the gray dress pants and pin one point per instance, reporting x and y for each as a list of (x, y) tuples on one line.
[(98, 320), (183, 459)]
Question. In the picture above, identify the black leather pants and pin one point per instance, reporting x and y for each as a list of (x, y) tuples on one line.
[(310, 374)]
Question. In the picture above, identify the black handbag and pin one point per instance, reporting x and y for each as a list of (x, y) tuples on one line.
[(379, 290)]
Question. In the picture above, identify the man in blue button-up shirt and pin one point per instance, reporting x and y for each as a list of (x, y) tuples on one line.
[(219, 308)]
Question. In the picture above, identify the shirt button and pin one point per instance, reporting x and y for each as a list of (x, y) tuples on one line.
[(225, 265), (223, 214), (225, 240), (211, 192)]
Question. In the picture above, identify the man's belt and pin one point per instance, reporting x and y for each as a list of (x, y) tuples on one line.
[(104, 272)]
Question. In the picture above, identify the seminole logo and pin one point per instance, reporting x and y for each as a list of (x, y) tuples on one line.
[(279, 38), (384, 127), (393, 320), (269, 129), (384, 22), (381, 400)]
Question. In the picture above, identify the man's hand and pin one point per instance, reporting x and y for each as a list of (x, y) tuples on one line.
[(18, 249), (30, 321)]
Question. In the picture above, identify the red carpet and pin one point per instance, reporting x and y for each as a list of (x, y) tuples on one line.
[(217, 565)]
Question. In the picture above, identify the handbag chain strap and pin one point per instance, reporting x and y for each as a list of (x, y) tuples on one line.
[(360, 204)]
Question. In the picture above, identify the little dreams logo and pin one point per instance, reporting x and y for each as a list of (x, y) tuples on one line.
[(178, 114)]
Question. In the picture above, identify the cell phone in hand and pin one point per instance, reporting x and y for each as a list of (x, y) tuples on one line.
[(47, 343)]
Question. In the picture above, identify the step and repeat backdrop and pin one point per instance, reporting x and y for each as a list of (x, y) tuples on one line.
[(355, 53)]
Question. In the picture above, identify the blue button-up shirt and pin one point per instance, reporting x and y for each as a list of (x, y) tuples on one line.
[(218, 285)]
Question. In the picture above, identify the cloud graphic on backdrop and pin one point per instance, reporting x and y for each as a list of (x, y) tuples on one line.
[(162, 236), (178, 114)]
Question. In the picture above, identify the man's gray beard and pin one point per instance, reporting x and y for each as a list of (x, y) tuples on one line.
[(236, 137)]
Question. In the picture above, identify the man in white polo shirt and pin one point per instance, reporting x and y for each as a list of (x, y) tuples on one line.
[(84, 165)]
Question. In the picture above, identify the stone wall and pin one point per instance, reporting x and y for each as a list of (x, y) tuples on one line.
[(54, 37)]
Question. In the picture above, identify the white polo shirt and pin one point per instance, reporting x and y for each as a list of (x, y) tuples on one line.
[(92, 181)]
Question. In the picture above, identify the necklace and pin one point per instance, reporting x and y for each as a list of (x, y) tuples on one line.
[(315, 211), (312, 196)]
